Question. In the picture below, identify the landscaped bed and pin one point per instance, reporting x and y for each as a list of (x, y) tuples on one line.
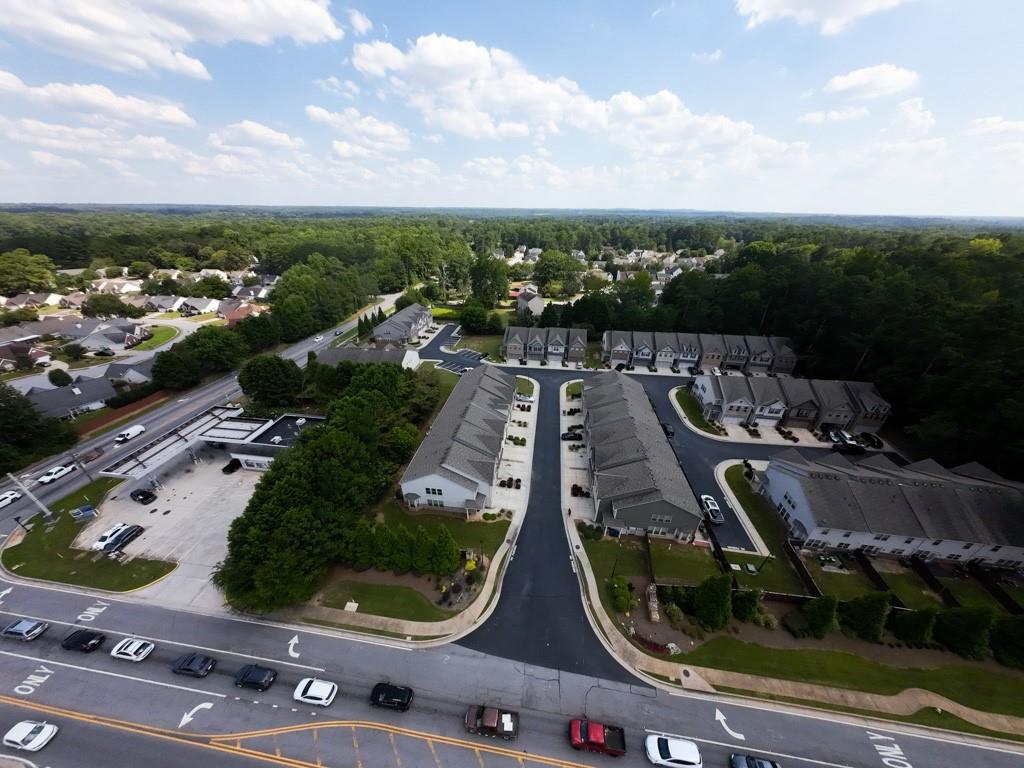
[(467, 534), (46, 552), (161, 335), (391, 600)]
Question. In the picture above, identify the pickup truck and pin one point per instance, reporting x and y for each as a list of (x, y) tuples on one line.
[(492, 721), (596, 737)]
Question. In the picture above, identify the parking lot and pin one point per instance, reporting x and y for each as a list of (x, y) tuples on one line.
[(187, 524)]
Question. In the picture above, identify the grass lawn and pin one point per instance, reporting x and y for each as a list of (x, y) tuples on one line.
[(448, 380), (446, 314), (200, 318), (971, 686), (168, 315), (117, 423), (47, 554), (468, 535), (971, 593), (389, 600), (8, 375), (523, 386), (574, 389), (912, 590), (607, 556), (693, 411), (777, 574), (84, 419), (594, 355), (676, 563), (844, 586), (161, 335), (491, 344)]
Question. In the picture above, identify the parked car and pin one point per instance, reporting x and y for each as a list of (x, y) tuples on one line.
[(8, 497), (318, 338), (107, 536), (104, 353), (391, 696), (194, 665), (712, 510), (317, 692), (30, 735), (56, 473), (670, 431), (256, 677), (143, 496), (43, 364), (524, 398), (127, 434), (746, 761), (492, 721), (851, 449), (572, 436), (693, 370), (231, 467), (132, 649), (671, 751), (590, 736), (871, 441), (716, 372), (84, 640), (123, 539), (579, 365), (24, 629)]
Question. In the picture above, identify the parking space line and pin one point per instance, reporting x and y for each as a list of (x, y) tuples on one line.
[(433, 751), (394, 747), (355, 746), (479, 757), (728, 745)]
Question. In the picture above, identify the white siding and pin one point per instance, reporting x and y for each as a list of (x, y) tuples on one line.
[(451, 494)]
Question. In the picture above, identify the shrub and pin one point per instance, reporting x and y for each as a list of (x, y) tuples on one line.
[(820, 614), (685, 598), (766, 620), (796, 624), (490, 516), (1008, 641), (618, 589), (132, 395), (59, 377), (712, 601), (965, 631), (865, 615), (913, 627), (746, 604)]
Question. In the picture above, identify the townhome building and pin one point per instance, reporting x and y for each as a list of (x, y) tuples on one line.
[(835, 409), (404, 326), (556, 343), (761, 354), (666, 349), (802, 406), (537, 344), (784, 356), (964, 514), (870, 409), (712, 351), (513, 343), (689, 350), (617, 347), (736, 353), (577, 348), (769, 402), (643, 348), (552, 344), (725, 399)]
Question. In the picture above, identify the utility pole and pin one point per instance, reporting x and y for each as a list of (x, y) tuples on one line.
[(81, 466), (24, 489)]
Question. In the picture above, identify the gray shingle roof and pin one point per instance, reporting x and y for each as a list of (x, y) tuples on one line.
[(61, 401), (711, 342), (400, 324), (764, 390), (797, 391), (335, 355)]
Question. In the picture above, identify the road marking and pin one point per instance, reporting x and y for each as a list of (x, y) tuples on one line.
[(479, 757), (759, 751), (437, 760), (721, 718), (174, 642), (891, 754), (28, 686), (189, 716), (291, 647), (355, 745), (394, 747), (113, 674), (5, 593)]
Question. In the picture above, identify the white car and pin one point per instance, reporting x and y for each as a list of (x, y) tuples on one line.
[(672, 751), (55, 473), (314, 691), (108, 535), (30, 735), (8, 497), (714, 512), (716, 372), (318, 338), (132, 649), (524, 398)]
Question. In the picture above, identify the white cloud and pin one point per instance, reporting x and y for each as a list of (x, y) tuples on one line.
[(831, 16), (365, 131), (105, 142), (94, 99), (834, 115), (669, 6), (153, 35), (993, 125), (359, 21), (711, 57), (912, 118), (348, 150), (334, 85), (120, 166), (50, 160), (434, 138), (257, 133), (872, 82), (492, 167)]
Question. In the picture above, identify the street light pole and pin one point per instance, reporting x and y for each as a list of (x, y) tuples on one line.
[(24, 489)]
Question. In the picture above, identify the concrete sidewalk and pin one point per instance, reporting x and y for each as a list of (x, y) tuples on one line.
[(741, 514)]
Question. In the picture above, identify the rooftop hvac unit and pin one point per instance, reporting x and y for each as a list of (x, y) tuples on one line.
[(276, 439)]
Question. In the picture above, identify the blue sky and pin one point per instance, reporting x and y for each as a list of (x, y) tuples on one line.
[(846, 106)]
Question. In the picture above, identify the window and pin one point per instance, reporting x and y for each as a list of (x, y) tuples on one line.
[(937, 542), (825, 532), (435, 503), (843, 545), (908, 541), (954, 557), (996, 548), (846, 535), (968, 546), (661, 518), (881, 537)]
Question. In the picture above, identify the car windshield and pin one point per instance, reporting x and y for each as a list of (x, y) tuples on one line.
[(36, 730), (663, 749)]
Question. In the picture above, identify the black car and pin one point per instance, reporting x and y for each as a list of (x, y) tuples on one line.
[(255, 676), (870, 440), (391, 696), (669, 429), (851, 449), (143, 496), (339, 331), (194, 665), (105, 352), (572, 436), (746, 761), (125, 537), (232, 466), (694, 370), (84, 640)]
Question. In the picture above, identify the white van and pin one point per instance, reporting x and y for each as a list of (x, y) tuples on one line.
[(128, 434)]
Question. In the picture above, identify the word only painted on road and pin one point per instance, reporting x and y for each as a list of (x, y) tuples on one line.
[(891, 753), (93, 611), (28, 686)]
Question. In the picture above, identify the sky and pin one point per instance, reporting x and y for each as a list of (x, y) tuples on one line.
[(909, 107)]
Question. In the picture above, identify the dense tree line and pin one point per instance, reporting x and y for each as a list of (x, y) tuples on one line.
[(309, 510), (25, 435)]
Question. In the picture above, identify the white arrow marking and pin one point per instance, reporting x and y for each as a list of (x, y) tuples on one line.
[(291, 647), (5, 593), (721, 718), (188, 716)]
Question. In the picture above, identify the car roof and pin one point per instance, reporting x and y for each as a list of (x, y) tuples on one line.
[(316, 685), (683, 749)]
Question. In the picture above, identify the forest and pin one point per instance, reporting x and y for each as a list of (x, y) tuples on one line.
[(933, 312)]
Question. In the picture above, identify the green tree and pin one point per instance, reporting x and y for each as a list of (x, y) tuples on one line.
[(421, 551), (913, 627), (1008, 641), (746, 604), (24, 272), (259, 332), (209, 287), (713, 601), (965, 631), (74, 351), (59, 377), (141, 269), (109, 305), (26, 435), (473, 318), (557, 273), (177, 368), (866, 615), (399, 444), (294, 318), (217, 348), (271, 380), (489, 278), (444, 553), (820, 615)]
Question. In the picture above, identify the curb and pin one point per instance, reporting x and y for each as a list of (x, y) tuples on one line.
[(741, 514)]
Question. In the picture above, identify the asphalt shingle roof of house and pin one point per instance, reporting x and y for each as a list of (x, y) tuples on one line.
[(466, 437), (920, 500), (797, 391), (765, 390), (400, 324), (142, 367), (633, 461), (335, 355), (61, 401), (831, 393), (867, 393), (711, 342), (516, 334)]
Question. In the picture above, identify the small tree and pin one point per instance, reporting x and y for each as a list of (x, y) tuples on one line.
[(59, 377), (965, 631), (618, 590), (444, 552), (713, 601), (913, 627), (746, 604), (1008, 641), (401, 554), (473, 318), (74, 351), (421, 550), (271, 380), (820, 615), (865, 615)]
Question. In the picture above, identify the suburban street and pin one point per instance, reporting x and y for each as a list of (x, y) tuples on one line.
[(537, 653)]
